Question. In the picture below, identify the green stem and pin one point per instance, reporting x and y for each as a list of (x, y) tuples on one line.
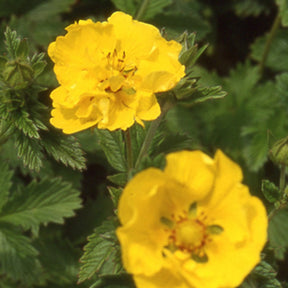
[(141, 9), (275, 26), (129, 152), (151, 133), (283, 200)]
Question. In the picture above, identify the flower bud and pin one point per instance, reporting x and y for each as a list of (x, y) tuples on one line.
[(279, 152), (18, 74)]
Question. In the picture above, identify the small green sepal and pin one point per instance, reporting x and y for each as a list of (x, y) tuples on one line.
[(199, 258), (214, 229)]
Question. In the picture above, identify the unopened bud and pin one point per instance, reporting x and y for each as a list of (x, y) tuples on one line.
[(18, 74), (279, 152)]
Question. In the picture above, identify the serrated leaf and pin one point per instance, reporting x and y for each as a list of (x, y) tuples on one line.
[(17, 256), (40, 203), (101, 254), (278, 233), (283, 9), (22, 49), (11, 42), (113, 146), (59, 259), (270, 191), (29, 150), (115, 194), (267, 274), (263, 275), (21, 120), (119, 179), (5, 183), (256, 150), (277, 58), (65, 149)]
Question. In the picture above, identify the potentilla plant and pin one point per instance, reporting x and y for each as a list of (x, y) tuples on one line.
[(183, 215), (194, 224)]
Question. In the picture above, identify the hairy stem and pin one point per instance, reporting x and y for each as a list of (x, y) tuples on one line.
[(274, 29), (129, 152), (151, 133)]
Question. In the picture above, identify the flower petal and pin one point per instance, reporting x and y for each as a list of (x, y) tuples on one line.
[(194, 170)]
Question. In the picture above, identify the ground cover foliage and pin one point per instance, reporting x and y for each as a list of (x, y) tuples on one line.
[(59, 193)]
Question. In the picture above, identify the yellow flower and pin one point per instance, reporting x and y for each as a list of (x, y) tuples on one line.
[(109, 73), (192, 225)]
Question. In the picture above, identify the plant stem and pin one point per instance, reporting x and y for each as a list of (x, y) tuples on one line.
[(151, 133), (283, 200), (275, 26), (129, 152), (141, 9)]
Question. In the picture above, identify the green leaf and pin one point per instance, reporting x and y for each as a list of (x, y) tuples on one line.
[(137, 134), (101, 254), (113, 146), (119, 179), (17, 256), (127, 6), (59, 259), (41, 203), (263, 275), (282, 89), (21, 120), (142, 9), (115, 194), (11, 42), (270, 191), (149, 9), (175, 22), (277, 59), (50, 8), (246, 8), (63, 148), (29, 150), (121, 281), (256, 149), (283, 9), (278, 233), (267, 274), (5, 183)]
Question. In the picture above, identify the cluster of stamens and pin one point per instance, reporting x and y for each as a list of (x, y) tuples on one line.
[(116, 61), (120, 73), (189, 233)]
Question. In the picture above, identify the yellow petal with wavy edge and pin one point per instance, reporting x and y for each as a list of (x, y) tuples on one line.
[(199, 178), (126, 60), (161, 253)]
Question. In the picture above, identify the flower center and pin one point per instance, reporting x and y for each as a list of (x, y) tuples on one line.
[(118, 76), (190, 233)]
